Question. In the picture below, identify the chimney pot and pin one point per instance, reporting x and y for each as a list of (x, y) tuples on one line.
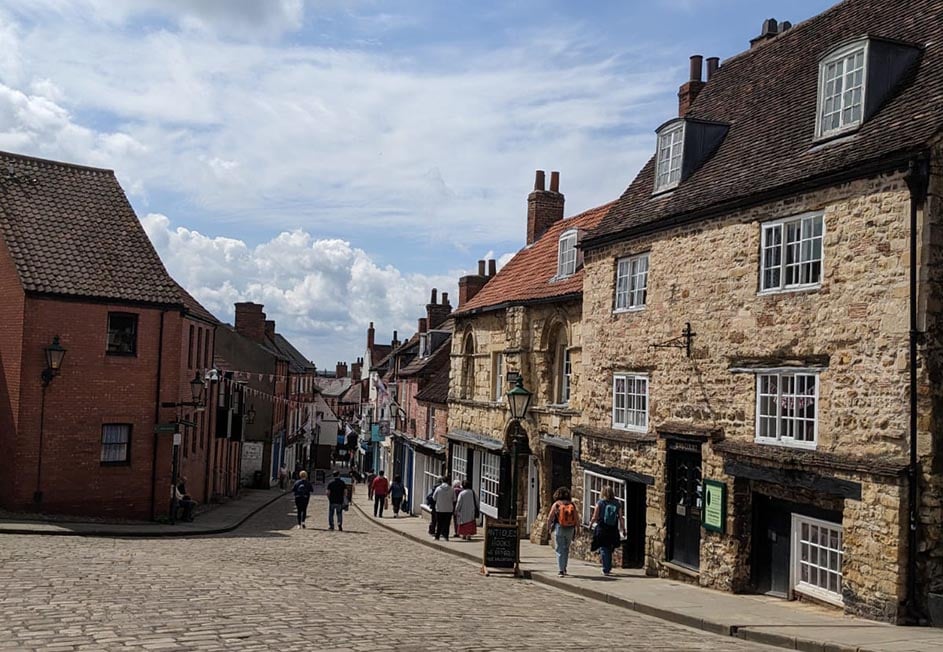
[(445, 298), (481, 268), (434, 293), (492, 267), (422, 324), (713, 63), (539, 180), (697, 62), (554, 181)]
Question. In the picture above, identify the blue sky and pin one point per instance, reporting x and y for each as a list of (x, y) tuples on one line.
[(336, 160)]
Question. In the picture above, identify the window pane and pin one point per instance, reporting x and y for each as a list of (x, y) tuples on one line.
[(122, 334)]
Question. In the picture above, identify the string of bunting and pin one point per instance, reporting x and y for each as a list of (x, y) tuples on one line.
[(251, 392)]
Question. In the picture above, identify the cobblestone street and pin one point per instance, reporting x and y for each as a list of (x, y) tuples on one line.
[(269, 586)]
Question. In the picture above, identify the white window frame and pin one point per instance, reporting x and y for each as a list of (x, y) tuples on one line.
[(566, 254), (631, 283), (675, 154), (627, 379), (780, 439), (489, 490), (592, 489), (459, 462), (566, 373), (119, 441), (841, 57), (805, 246), (497, 376), (834, 558), (430, 424), (431, 478)]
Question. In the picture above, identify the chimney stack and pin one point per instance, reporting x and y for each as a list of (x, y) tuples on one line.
[(544, 208), (270, 329), (356, 370), (394, 344), (422, 324), (436, 313), (341, 370), (691, 88), (250, 321), (371, 338), (770, 30), (713, 63), (470, 285)]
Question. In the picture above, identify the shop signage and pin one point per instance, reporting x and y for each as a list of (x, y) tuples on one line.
[(375, 432), (501, 546), (714, 514)]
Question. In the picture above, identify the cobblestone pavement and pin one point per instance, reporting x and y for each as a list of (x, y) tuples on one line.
[(268, 586)]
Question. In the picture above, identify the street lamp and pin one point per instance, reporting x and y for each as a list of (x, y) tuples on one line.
[(518, 402), (197, 386), (54, 353)]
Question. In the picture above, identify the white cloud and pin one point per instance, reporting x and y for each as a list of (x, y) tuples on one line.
[(322, 293)]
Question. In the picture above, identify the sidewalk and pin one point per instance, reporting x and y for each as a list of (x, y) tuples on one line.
[(219, 519), (758, 618)]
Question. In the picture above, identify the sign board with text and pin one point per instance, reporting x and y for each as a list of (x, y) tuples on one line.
[(501, 548), (714, 514)]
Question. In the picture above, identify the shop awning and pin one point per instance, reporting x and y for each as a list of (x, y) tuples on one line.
[(475, 439)]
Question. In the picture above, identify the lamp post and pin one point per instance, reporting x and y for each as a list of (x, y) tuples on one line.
[(518, 402), (54, 353), (197, 388)]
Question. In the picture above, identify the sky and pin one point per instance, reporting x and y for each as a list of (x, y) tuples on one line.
[(336, 160)]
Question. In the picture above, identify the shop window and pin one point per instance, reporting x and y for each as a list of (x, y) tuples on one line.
[(592, 492), (122, 333), (459, 462), (431, 476), (817, 558), (490, 483)]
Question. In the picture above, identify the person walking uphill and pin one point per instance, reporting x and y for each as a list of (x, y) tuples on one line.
[(444, 499), (397, 494), (563, 522), (336, 498), (607, 527), (302, 490), (381, 487)]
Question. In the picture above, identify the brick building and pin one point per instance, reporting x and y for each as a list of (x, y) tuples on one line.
[(76, 265), (524, 319), (761, 323)]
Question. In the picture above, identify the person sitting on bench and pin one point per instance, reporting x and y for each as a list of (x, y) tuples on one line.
[(184, 501)]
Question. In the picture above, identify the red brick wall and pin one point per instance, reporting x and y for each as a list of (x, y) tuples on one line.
[(12, 299)]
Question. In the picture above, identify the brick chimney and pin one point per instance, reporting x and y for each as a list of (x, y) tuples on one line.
[(422, 324), (371, 335), (544, 207), (469, 286), (394, 343), (270, 329), (770, 30), (356, 370), (691, 88), (340, 370), (436, 313), (250, 321)]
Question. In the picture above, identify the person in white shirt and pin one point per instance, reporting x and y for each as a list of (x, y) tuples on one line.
[(444, 498)]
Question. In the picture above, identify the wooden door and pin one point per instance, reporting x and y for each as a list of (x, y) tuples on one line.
[(684, 503)]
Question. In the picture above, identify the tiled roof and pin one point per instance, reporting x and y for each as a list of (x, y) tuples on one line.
[(423, 366), (529, 275), (332, 386), (297, 363), (353, 394), (71, 230), (436, 389), (768, 97), (195, 308)]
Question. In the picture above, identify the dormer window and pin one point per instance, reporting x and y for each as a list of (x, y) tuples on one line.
[(842, 78), (670, 150), (566, 256)]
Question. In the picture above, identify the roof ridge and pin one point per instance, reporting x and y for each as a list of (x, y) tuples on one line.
[(54, 162)]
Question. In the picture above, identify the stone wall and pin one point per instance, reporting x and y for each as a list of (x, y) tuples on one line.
[(856, 321)]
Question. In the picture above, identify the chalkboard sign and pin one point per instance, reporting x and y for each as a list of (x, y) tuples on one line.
[(501, 546)]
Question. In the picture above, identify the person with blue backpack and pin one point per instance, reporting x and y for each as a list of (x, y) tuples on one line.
[(608, 525)]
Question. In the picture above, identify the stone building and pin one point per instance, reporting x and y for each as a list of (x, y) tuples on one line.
[(761, 321), (522, 320)]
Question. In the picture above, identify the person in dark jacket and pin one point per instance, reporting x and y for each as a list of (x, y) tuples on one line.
[(302, 490), (397, 493)]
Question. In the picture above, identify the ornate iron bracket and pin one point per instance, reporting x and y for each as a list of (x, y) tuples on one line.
[(683, 341)]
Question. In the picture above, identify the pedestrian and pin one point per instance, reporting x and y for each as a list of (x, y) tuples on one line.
[(444, 497), (184, 500), (457, 488), (433, 521), (466, 511), (282, 477), (302, 490), (563, 522), (607, 527), (381, 487), (371, 476), (336, 499), (397, 493)]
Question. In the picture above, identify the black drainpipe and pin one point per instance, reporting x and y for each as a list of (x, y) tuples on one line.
[(160, 359), (918, 176)]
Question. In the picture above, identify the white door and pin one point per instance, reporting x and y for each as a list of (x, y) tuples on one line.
[(533, 491)]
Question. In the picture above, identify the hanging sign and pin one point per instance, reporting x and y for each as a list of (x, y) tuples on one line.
[(714, 514)]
